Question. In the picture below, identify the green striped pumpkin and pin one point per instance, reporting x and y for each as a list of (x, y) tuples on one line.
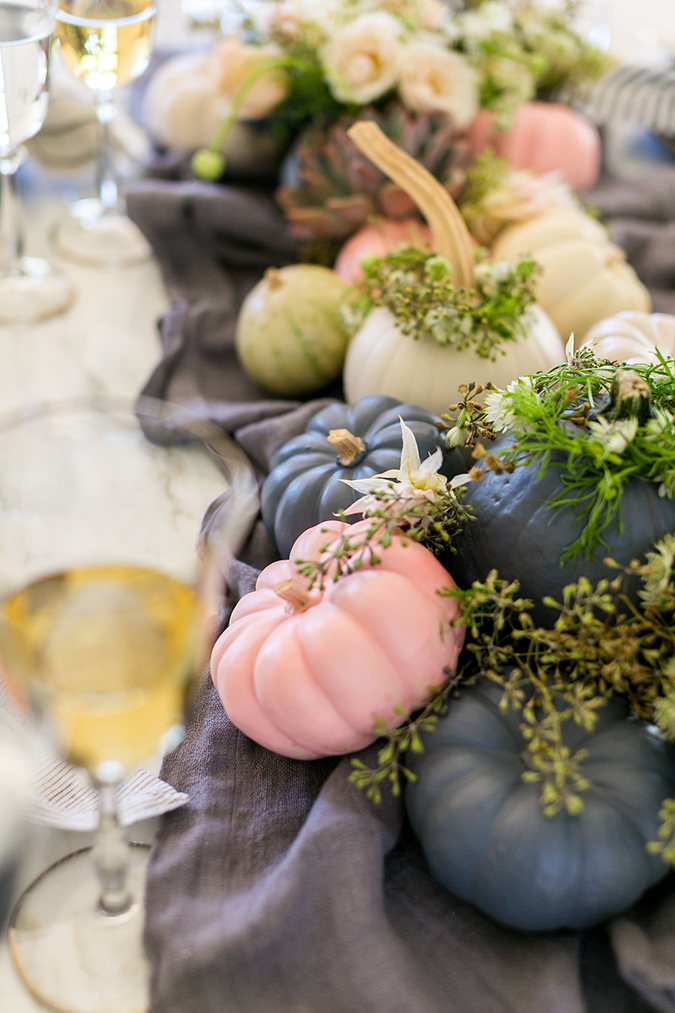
[(290, 338)]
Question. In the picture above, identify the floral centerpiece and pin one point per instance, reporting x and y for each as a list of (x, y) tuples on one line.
[(421, 69)]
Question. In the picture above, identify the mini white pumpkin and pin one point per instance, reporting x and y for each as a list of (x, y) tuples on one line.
[(633, 337), (585, 276), (184, 107), (383, 360)]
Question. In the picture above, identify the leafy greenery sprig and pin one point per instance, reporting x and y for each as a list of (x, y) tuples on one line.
[(598, 434), (418, 290), (434, 523), (398, 741), (598, 646)]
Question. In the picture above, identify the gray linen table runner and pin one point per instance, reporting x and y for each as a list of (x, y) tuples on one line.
[(279, 887)]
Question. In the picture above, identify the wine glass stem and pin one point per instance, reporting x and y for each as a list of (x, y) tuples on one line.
[(11, 218), (111, 856), (106, 177)]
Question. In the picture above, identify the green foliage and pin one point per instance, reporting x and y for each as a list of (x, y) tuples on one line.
[(576, 419), (308, 98), (418, 290), (390, 769), (599, 645), (434, 523)]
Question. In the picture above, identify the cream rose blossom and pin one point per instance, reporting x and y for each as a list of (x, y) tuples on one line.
[(434, 79), (362, 59), (233, 62)]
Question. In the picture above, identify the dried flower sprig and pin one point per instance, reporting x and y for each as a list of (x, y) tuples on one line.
[(600, 426), (600, 645), (419, 292)]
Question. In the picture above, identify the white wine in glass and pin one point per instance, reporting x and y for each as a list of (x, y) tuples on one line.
[(30, 289), (104, 625), (106, 44)]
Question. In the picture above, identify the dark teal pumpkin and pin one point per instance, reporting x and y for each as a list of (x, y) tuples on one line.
[(517, 533), (305, 487), (487, 840)]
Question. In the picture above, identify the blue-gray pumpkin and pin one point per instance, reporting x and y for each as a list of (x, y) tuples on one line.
[(305, 487), (516, 532), (486, 839)]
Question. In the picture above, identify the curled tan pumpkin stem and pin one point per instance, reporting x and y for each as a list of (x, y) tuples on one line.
[(452, 236), (347, 445), (294, 592)]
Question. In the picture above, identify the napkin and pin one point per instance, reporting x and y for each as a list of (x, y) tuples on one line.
[(279, 887), (640, 213)]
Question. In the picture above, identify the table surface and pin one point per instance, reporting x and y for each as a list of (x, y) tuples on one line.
[(104, 345)]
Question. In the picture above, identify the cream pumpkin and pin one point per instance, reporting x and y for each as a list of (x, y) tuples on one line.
[(633, 337), (585, 276), (289, 336), (310, 673), (383, 360)]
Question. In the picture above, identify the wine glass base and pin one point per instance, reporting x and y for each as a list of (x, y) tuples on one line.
[(33, 292), (70, 956), (92, 235)]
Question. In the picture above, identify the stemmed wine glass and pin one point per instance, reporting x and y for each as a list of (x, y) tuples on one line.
[(104, 624), (107, 44), (30, 289)]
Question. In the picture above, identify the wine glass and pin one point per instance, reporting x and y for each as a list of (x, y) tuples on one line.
[(30, 289), (107, 44), (104, 623)]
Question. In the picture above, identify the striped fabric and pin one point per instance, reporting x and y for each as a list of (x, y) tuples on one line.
[(64, 797), (643, 95)]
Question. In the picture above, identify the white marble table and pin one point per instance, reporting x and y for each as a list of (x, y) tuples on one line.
[(106, 344)]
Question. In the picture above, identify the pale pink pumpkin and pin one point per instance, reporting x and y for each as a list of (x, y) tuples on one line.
[(545, 137), (377, 240), (308, 673)]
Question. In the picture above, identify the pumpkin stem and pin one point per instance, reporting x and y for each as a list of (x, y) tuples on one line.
[(630, 398), (348, 446), (273, 278), (452, 236), (294, 592)]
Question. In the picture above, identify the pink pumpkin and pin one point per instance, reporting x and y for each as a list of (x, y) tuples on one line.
[(378, 240), (545, 137), (308, 673)]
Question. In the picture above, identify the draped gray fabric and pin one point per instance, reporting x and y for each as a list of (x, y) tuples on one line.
[(279, 888)]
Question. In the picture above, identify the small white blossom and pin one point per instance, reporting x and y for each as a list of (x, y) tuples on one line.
[(497, 404), (614, 435), (413, 480)]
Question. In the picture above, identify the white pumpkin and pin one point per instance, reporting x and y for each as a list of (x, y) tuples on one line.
[(633, 337), (383, 360), (585, 276), (183, 108)]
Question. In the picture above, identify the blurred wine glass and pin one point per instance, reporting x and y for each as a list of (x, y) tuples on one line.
[(106, 620), (30, 289), (15, 793), (106, 44)]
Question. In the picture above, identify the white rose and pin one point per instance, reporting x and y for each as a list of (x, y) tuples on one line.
[(362, 59), (434, 79)]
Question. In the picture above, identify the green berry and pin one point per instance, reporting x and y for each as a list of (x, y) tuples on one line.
[(208, 164)]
